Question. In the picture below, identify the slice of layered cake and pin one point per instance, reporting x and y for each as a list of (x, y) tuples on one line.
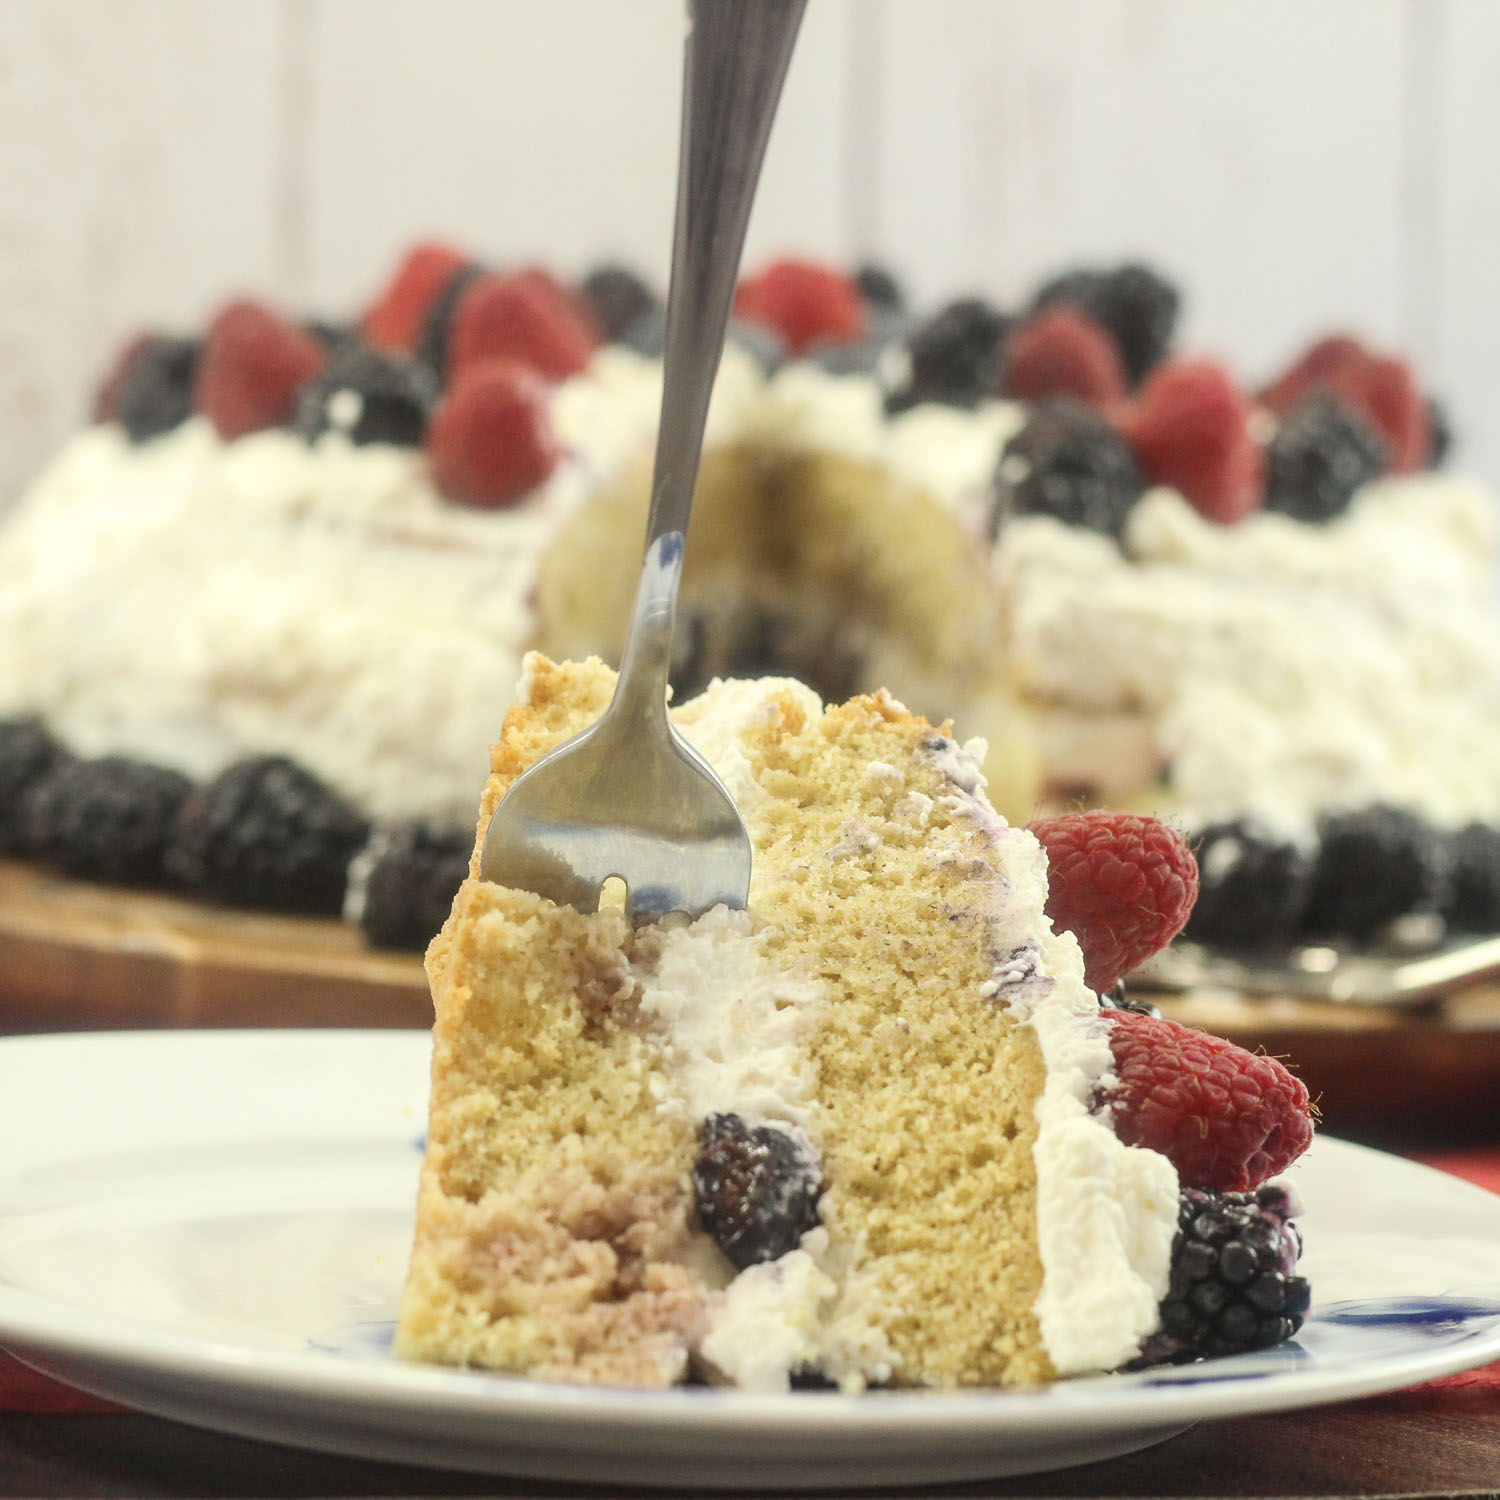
[(875, 1129)]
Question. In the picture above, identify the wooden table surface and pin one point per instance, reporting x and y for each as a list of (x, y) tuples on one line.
[(1445, 1443)]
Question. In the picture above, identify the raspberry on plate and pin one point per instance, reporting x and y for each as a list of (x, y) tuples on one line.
[(1227, 1119), (251, 369), (490, 440), (1191, 430), (1121, 883), (805, 303), (1063, 352)]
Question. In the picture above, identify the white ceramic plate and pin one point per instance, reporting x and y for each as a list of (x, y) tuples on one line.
[(213, 1226)]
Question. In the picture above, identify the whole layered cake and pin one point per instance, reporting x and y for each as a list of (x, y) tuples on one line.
[(875, 1129), (259, 619)]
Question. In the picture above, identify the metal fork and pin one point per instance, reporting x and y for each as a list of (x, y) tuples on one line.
[(629, 797)]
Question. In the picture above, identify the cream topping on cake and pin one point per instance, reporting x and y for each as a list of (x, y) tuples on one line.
[(1279, 668)]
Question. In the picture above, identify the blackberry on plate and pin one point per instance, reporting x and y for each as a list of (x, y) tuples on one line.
[(107, 819), (155, 394), (616, 297), (954, 356), (1252, 885), (27, 753), (269, 834), (1135, 304), (755, 1189), (1232, 1287), (1067, 462), (1374, 865), (1474, 894), (881, 291), (437, 323), (369, 396), (1321, 454), (406, 889)]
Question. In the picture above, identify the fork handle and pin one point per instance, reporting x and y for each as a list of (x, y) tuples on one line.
[(736, 59)]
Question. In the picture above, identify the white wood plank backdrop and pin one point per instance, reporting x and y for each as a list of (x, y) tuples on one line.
[(1296, 164)]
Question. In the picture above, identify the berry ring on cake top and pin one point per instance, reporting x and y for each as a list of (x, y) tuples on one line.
[(1262, 613)]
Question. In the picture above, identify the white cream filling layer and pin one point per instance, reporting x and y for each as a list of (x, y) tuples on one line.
[(1106, 1212)]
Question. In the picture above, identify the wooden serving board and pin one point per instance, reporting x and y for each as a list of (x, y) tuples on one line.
[(77, 956)]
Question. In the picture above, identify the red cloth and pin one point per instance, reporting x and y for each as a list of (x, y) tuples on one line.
[(22, 1389)]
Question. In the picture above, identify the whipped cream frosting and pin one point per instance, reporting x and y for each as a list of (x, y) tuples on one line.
[(1278, 668), (190, 601)]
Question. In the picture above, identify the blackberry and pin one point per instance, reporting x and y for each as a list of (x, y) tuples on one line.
[(755, 1189), (1439, 434), (1116, 999), (412, 876), (1474, 895), (334, 337), (27, 753), (155, 394), (1252, 885), (1136, 305), (107, 819), (616, 297), (955, 356), (1067, 462), (763, 345), (1373, 866), (881, 291), (1321, 454), (267, 833), (1232, 1287), (859, 358), (647, 334), (369, 396), (432, 342)]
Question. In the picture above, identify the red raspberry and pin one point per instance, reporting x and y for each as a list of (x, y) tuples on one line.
[(1381, 390), (806, 304), (1121, 883), (1324, 359), (1191, 429), (1385, 394), (1227, 1119), (1063, 352), (519, 317), (490, 441), (395, 321), (252, 366)]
